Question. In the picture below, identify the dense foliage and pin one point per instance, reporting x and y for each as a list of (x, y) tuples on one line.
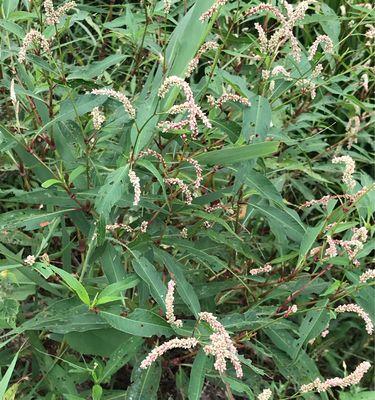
[(220, 197)]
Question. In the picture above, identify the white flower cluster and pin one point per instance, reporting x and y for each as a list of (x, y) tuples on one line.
[(226, 97), (352, 379), (119, 96), (30, 260), (369, 274), (190, 106), (183, 186), (212, 10), (53, 15), (265, 268), (319, 40), (134, 180), (221, 346), (352, 129), (171, 344), (265, 395), (349, 169), (98, 118), (169, 300), (360, 312), (195, 61), (31, 37), (285, 30)]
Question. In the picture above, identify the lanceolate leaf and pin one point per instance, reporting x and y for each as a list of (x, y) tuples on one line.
[(140, 322), (73, 284), (233, 155), (147, 272), (197, 376)]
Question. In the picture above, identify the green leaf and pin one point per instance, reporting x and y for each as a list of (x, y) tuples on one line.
[(6, 378), (50, 182), (147, 272), (257, 118), (197, 376), (97, 392), (314, 322), (111, 291), (121, 356), (95, 69), (145, 383), (29, 219), (9, 6), (112, 264), (234, 155), (76, 173), (331, 28), (112, 191), (288, 222), (263, 186), (140, 322), (73, 284), (358, 396), (307, 242), (11, 392)]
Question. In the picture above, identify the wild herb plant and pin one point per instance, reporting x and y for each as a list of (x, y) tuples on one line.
[(186, 199)]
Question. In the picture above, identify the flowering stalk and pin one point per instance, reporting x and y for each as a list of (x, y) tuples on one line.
[(167, 6), (119, 96), (198, 171), (265, 395), (184, 188), (265, 268), (349, 169), (360, 312), (32, 36), (98, 118), (224, 98), (352, 379), (195, 61), (193, 109), (53, 15), (221, 346), (171, 344), (212, 10), (169, 300), (150, 152), (134, 180), (319, 40), (30, 260), (369, 274)]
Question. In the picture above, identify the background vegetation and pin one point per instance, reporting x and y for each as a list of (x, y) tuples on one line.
[(77, 322)]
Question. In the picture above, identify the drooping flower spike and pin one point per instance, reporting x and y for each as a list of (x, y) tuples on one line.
[(360, 312), (352, 379), (195, 61), (31, 37), (212, 10), (171, 344), (119, 96)]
